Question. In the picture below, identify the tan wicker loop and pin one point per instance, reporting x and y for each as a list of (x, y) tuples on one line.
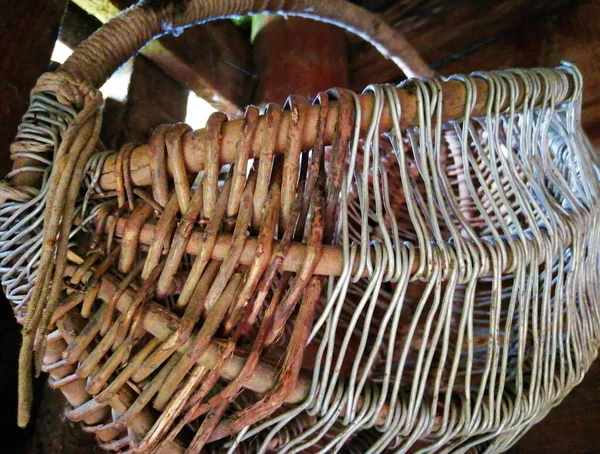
[(158, 166)]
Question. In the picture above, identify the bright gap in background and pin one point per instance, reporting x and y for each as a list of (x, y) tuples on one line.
[(61, 52), (198, 109)]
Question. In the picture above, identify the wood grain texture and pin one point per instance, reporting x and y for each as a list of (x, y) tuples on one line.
[(574, 35), (28, 29), (153, 98), (299, 56), (212, 60), (571, 33), (76, 25)]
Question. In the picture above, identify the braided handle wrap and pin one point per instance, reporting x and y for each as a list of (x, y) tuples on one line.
[(100, 55)]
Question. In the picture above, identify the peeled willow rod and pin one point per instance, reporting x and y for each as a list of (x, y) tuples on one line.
[(195, 143), (159, 322), (331, 261)]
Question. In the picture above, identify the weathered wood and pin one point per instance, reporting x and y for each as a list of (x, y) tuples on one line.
[(441, 28), (153, 98), (568, 34), (299, 56), (28, 30), (212, 60), (519, 49), (374, 5), (76, 26), (102, 10), (113, 117), (575, 36)]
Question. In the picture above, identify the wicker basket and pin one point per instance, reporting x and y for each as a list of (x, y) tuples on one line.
[(414, 267)]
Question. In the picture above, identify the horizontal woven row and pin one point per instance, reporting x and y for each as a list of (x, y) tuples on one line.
[(433, 287)]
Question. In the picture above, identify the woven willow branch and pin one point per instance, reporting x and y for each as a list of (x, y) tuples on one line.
[(458, 261), (412, 268)]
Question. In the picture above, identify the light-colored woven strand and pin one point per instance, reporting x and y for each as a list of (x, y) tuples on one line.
[(465, 309)]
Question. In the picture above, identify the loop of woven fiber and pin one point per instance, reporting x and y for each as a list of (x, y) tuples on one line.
[(67, 172), (69, 90), (7, 192)]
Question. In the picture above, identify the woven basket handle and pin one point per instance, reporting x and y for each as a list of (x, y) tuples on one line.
[(111, 46)]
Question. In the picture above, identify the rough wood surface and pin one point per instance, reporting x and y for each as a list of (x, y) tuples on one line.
[(575, 36), (462, 36), (103, 10), (153, 98), (28, 30), (298, 56), (212, 60), (113, 118), (76, 26), (440, 29), (569, 34)]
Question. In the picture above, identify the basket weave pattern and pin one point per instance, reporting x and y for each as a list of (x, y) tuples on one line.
[(401, 280)]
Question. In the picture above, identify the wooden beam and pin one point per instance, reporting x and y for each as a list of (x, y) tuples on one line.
[(212, 60), (76, 26), (574, 35), (375, 6), (102, 10), (153, 99), (28, 29), (113, 119), (296, 55), (440, 29), (568, 34)]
